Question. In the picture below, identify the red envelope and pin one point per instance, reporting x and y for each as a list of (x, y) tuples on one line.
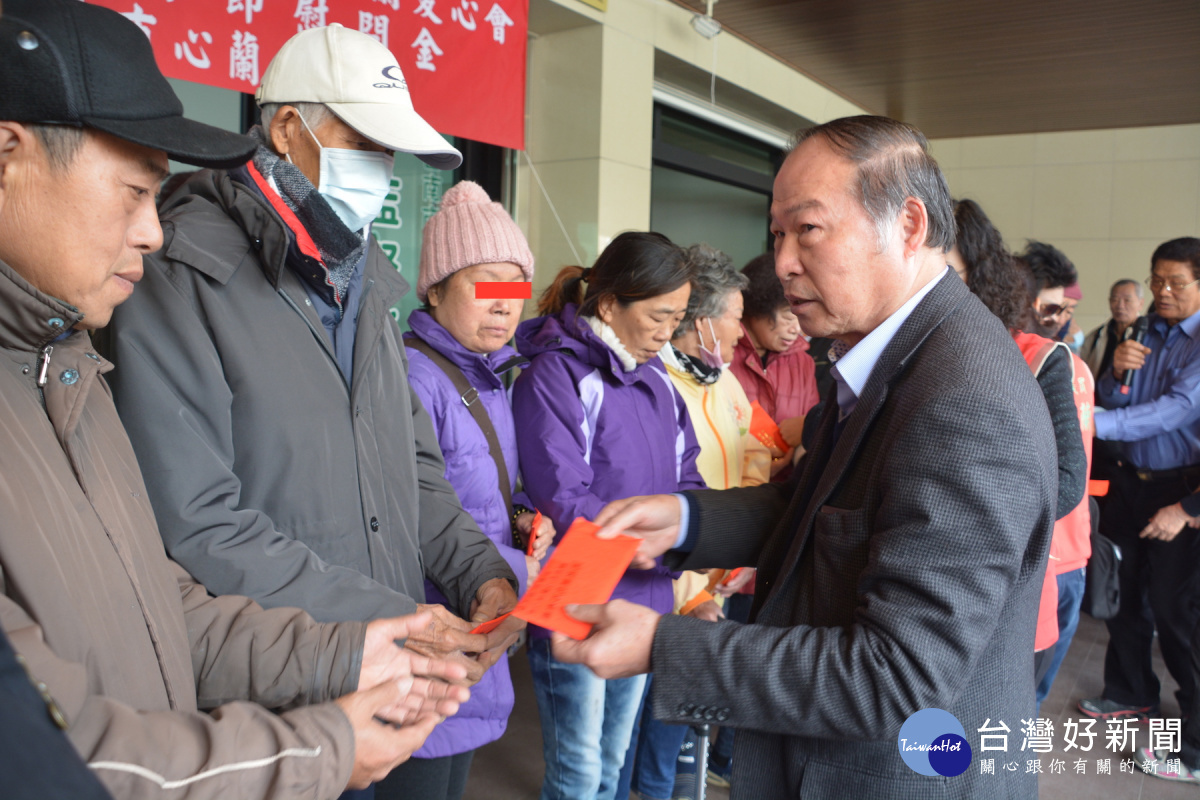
[(537, 522), (583, 569), (763, 428), (491, 624)]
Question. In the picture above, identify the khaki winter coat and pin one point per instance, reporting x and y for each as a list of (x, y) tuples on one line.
[(128, 645)]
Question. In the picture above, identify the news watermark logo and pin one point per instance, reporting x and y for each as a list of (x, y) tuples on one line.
[(933, 742)]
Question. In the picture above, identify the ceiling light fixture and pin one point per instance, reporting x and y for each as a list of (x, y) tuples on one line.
[(704, 24)]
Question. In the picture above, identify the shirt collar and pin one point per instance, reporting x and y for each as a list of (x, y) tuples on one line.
[(854, 368), (1190, 326)]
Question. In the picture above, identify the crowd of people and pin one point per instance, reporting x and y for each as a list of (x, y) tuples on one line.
[(250, 524)]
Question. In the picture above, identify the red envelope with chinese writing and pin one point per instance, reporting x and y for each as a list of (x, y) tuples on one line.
[(763, 428), (583, 569)]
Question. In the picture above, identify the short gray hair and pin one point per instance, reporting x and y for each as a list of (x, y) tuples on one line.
[(61, 142), (893, 165), (315, 114), (713, 279), (1137, 286)]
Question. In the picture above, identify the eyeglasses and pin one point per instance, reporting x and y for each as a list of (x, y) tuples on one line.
[(1157, 284), (1050, 310)]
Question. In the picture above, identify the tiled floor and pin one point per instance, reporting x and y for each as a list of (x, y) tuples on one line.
[(511, 768)]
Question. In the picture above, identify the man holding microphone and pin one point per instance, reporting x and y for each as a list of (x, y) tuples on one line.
[(1157, 418)]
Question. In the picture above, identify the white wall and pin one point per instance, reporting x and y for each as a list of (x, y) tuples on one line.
[(1106, 198)]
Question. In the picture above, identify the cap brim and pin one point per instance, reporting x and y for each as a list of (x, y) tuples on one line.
[(401, 129), (182, 139)]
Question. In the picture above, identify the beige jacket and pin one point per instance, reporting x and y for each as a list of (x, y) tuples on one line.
[(128, 645)]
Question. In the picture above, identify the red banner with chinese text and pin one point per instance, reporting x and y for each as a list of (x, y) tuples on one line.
[(464, 60)]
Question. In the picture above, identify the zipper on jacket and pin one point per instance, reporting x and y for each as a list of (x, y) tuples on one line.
[(45, 368), (43, 371)]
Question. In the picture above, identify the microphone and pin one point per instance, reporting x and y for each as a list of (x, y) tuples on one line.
[(1140, 326)]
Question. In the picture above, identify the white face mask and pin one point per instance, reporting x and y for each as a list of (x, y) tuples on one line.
[(711, 358), (353, 182)]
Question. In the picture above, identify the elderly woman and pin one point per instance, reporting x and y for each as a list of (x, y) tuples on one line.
[(600, 421), (458, 346), (772, 361), (697, 361)]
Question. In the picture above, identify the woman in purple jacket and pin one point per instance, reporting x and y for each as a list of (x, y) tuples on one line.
[(599, 420), (471, 239)]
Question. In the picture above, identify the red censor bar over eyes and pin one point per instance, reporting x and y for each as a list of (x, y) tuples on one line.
[(503, 290)]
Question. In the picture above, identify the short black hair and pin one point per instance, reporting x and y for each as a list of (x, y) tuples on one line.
[(1185, 248), (1050, 266), (763, 297)]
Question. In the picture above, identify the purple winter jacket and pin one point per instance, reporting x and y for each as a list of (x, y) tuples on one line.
[(591, 433), (472, 472)]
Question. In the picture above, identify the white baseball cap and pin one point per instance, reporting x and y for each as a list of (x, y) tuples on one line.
[(359, 80)]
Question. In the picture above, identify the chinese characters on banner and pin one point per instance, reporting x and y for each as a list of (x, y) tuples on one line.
[(464, 60)]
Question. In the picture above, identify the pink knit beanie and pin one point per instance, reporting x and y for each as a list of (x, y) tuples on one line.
[(469, 229)]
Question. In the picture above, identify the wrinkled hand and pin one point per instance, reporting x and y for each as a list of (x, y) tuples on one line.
[(492, 599), (1166, 524), (728, 588), (1128, 355), (378, 746), (423, 680), (620, 643), (708, 611), (543, 537), (792, 430), (652, 518), (449, 638)]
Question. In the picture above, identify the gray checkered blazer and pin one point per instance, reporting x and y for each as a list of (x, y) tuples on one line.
[(900, 570)]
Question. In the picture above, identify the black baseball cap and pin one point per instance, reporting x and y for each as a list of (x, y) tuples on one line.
[(72, 63)]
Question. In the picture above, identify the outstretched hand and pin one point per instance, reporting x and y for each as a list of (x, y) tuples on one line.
[(652, 518), (620, 642)]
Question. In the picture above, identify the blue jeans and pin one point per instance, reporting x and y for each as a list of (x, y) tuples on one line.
[(657, 751), (586, 725), (1070, 596), (625, 780)]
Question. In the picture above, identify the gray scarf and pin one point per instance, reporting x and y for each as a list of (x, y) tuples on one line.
[(341, 248)]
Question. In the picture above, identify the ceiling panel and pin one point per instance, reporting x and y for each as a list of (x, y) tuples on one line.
[(970, 67)]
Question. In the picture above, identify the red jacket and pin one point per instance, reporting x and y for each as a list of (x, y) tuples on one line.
[(1072, 545), (787, 387)]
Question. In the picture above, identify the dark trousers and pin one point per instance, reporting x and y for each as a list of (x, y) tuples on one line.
[(1159, 584), (427, 779)]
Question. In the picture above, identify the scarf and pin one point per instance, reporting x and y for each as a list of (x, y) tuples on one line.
[(702, 373), (341, 248)]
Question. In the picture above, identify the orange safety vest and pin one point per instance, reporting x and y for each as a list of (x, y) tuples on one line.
[(1071, 545)]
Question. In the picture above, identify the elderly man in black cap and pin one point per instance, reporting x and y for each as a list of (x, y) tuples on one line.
[(128, 648)]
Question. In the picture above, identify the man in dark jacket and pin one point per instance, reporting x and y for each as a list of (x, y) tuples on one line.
[(901, 573), (264, 383)]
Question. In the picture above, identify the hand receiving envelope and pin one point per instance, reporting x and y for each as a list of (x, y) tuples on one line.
[(583, 569)]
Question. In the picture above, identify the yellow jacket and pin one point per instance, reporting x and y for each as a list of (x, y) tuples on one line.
[(729, 455)]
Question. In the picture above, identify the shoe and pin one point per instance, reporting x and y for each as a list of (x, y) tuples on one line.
[(1154, 762), (1103, 708), (720, 778)]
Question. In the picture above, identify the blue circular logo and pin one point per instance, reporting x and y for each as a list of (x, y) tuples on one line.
[(933, 742)]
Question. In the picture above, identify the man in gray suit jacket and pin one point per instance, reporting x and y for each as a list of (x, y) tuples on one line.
[(901, 571)]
